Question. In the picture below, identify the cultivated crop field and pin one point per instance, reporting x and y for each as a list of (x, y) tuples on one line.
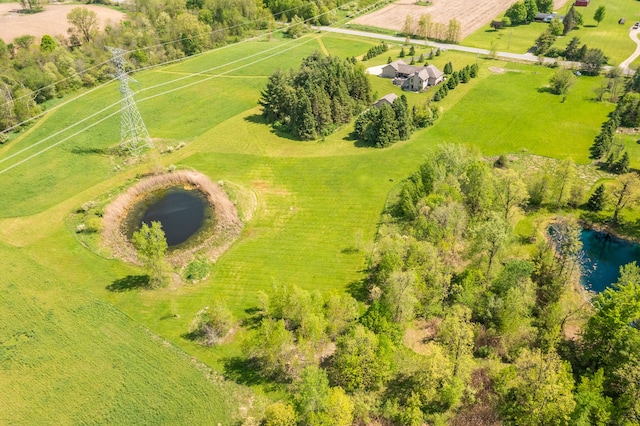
[(88, 352), (471, 15), (52, 21)]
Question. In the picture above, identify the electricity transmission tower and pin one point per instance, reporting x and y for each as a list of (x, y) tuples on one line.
[(134, 136)]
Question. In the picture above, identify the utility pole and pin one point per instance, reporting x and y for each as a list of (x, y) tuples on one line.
[(134, 136)]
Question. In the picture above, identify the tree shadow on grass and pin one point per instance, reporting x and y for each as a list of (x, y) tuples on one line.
[(259, 119), (358, 290), (546, 89), (94, 151), (254, 318), (243, 371), (128, 283)]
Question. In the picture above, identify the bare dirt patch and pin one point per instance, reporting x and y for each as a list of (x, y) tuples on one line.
[(51, 21), (227, 226), (471, 14)]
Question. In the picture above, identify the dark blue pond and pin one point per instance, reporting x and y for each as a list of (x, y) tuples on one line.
[(603, 257), (182, 213)]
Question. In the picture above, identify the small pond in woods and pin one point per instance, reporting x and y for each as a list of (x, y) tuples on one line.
[(182, 213), (603, 255)]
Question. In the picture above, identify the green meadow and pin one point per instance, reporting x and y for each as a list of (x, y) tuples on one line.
[(81, 352), (609, 36)]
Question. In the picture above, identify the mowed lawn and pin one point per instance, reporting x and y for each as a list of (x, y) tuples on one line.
[(609, 36), (316, 212)]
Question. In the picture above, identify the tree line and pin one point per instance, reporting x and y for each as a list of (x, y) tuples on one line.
[(626, 115)]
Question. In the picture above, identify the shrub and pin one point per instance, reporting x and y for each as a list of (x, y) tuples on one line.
[(211, 324), (196, 270)]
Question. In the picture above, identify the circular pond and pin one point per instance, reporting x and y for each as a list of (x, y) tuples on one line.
[(182, 213)]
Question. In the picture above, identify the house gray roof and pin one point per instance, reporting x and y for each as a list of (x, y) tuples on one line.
[(434, 72), (396, 64), (424, 72), (388, 98)]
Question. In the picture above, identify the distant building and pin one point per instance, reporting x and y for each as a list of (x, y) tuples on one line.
[(385, 100), (410, 77), (547, 17)]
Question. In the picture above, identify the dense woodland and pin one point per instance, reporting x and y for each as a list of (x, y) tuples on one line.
[(495, 347), (155, 31)]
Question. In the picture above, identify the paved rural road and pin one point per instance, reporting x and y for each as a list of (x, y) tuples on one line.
[(528, 57), (633, 34)]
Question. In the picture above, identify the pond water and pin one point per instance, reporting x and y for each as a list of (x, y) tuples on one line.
[(181, 212), (603, 257)]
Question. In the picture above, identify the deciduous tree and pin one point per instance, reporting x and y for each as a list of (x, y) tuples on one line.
[(510, 191), (84, 24), (279, 414), (517, 13), (625, 192), (562, 81), (536, 389), (360, 361), (151, 246), (600, 13), (490, 235)]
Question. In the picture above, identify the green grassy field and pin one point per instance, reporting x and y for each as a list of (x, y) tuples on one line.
[(609, 36), (317, 209), (70, 358)]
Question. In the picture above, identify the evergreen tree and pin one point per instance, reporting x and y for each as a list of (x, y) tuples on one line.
[(621, 165), (448, 68), (473, 71), (402, 54), (304, 124), (385, 127), (597, 199), (403, 118), (464, 75), (572, 51), (571, 20)]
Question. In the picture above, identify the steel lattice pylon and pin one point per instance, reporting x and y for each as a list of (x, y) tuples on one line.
[(134, 136)]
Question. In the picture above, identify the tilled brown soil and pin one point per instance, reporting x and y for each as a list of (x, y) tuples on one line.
[(471, 14), (51, 21)]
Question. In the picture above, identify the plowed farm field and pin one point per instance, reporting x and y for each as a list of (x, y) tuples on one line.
[(471, 14), (52, 21)]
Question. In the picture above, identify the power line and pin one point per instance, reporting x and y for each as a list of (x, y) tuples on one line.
[(134, 136), (156, 95), (154, 46)]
